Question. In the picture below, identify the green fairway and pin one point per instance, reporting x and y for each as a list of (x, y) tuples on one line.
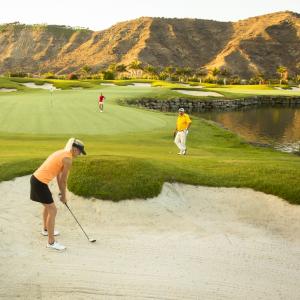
[(131, 151), (76, 112)]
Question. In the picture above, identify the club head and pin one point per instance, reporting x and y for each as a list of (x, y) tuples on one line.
[(92, 240)]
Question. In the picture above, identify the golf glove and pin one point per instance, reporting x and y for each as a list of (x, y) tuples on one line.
[(186, 132)]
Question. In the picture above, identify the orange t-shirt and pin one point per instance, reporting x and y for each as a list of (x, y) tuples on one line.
[(52, 166)]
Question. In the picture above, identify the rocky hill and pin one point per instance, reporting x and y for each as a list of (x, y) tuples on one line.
[(246, 47)]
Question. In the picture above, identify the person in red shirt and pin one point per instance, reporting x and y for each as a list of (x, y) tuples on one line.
[(101, 101)]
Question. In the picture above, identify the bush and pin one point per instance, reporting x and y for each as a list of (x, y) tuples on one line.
[(73, 76), (193, 79), (174, 78), (209, 80), (163, 76), (18, 74), (49, 75), (108, 75)]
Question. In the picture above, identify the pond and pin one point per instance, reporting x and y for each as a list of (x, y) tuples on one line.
[(276, 126)]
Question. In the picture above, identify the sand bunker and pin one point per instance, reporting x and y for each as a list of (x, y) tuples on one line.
[(293, 89), (140, 84), (187, 243), (45, 86), (199, 93), (4, 90), (108, 84)]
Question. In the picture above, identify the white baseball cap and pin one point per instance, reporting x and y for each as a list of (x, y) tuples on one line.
[(181, 109)]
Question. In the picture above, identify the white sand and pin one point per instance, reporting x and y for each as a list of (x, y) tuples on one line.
[(108, 84), (4, 90), (77, 88), (188, 243), (45, 86), (140, 84), (198, 93), (293, 89)]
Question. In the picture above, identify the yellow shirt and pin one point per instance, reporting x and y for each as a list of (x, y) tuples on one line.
[(183, 122), (52, 166)]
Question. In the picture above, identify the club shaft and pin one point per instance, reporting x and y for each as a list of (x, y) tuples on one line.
[(77, 221)]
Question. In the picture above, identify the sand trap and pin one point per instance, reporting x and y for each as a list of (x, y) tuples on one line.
[(199, 93), (140, 84), (188, 243), (108, 84), (45, 86), (191, 86), (4, 90), (293, 89)]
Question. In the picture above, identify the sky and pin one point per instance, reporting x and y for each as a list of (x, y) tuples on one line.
[(99, 15)]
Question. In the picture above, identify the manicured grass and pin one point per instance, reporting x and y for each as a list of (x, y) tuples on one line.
[(131, 151), (60, 84), (70, 112), (8, 84), (254, 90)]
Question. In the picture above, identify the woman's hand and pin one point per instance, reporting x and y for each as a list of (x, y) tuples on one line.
[(61, 198)]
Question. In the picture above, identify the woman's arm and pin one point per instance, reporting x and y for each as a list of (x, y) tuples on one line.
[(63, 177), (58, 181)]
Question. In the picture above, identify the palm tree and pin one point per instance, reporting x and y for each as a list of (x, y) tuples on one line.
[(151, 70), (260, 77), (187, 72), (112, 68), (121, 69), (201, 73), (215, 72), (85, 70), (169, 70), (225, 73), (180, 73), (135, 66), (283, 72)]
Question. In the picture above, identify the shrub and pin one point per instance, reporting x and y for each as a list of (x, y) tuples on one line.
[(209, 80), (73, 76), (17, 74), (49, 75), (193, 79), (108, 75), (163, 76)]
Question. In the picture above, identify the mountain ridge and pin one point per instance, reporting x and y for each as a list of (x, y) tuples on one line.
[(245, 47)]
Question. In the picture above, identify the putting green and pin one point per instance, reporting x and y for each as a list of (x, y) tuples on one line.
[(76, 112)]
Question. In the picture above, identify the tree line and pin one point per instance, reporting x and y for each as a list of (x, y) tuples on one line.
[(137, 70)]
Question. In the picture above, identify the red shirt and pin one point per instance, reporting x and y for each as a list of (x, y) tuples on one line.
[(101, 98)]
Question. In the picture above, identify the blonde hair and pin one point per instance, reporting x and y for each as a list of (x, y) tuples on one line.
[(69, 144)]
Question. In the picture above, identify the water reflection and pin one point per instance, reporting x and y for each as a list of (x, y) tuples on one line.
[(279, 126)]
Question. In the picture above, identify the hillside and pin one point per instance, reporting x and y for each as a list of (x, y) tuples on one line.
[(245, 47)]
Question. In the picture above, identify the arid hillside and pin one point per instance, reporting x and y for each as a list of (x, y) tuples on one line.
[(247, 47)]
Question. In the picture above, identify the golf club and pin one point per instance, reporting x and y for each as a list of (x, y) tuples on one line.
[(90, 240)]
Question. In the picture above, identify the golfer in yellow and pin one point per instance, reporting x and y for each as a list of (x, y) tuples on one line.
[(182, 126)]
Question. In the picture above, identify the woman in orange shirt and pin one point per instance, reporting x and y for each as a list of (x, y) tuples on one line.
[(56, 165)]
